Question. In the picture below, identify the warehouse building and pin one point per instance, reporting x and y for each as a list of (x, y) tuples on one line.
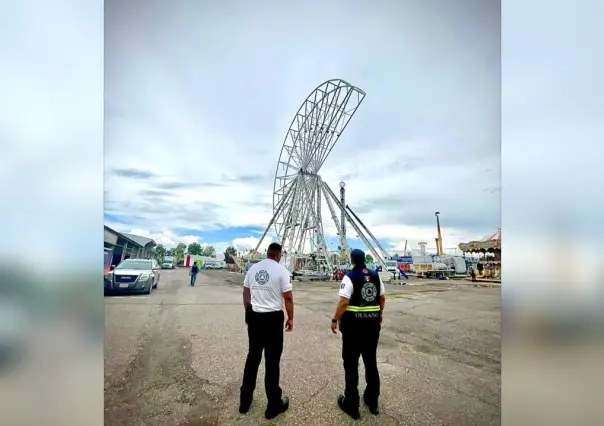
[(119, 246)]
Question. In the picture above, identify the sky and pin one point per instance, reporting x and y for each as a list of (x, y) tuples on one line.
[(76, 114), (174, 96), (199, 97)]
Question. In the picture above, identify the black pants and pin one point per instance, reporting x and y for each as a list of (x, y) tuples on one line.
[(265, 331), (361, 340)]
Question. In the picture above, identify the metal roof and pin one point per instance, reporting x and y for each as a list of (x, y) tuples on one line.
[(142, 241)]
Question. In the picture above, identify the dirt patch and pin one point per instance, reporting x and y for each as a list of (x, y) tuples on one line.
[(161, 371)]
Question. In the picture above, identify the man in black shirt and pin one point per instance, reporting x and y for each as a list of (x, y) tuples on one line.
[(359, 313)]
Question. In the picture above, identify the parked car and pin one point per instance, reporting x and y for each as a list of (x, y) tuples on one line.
[(134, 275)]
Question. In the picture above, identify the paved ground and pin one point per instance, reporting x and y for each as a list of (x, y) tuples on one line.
[(176, 357)]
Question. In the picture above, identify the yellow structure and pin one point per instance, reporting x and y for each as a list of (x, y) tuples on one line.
[(439, 239)]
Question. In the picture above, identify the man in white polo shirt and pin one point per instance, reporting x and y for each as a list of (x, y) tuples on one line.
[(265, 287)]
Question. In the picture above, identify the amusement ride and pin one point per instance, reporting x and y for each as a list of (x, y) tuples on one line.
[(299, 191)]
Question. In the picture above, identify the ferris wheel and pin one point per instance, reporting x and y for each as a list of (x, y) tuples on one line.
[(298, 189)]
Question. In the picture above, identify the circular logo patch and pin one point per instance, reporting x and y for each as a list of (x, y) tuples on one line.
[(369, 292), (262, 277)]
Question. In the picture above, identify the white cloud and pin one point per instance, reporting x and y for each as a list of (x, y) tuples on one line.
[(250, 243), (186, 151), (166, 238), (169, 239)]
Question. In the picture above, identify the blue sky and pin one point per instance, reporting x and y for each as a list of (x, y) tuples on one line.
[(199, 97)]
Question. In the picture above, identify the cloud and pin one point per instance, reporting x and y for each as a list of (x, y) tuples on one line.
[(133, 173), (195, 124), (166, 238), (250, 243)]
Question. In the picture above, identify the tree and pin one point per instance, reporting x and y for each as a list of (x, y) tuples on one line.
[(230, 251), (208, 251), (160, 251), (170, 252), (369, 258), (194, 249), (179, 251)]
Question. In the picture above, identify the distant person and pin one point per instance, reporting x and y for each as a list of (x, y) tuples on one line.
[(265, 289), (473, 274), (194, 271), (359, 313)]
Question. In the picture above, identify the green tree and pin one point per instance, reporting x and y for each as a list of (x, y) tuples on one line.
[(160, 252), (179, 251), (208, 251), (230, 251), (170, 252), (369, 258), (194, 249)]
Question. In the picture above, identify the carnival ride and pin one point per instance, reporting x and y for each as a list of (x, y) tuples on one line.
[(489, 248), (299, 190)]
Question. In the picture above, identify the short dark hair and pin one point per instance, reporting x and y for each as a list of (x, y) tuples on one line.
[(357, 257), (274, 249)]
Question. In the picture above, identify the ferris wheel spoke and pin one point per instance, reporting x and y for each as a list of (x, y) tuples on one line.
[(338, 124), (296, 161), (326, 118), (313, 121), (316, 118), (298, 191)]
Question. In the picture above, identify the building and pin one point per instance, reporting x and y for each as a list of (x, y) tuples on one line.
[(119, 246)]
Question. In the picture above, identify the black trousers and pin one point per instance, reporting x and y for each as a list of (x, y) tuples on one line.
[(265, 332), (360, 339)]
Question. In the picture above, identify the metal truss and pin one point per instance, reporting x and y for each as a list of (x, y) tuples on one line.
[(298, 188)]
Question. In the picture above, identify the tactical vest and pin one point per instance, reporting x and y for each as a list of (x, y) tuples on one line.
[(364, 303)]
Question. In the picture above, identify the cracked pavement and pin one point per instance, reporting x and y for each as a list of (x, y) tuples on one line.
[(176, 357)]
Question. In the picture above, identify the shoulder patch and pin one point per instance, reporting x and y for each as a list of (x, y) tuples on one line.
[(365, 271)]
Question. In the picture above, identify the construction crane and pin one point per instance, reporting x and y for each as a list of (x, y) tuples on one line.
[(439, 238)]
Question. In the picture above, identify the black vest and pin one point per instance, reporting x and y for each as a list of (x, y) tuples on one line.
[(364, 303)]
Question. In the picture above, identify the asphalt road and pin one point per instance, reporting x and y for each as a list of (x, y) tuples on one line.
[(176, 357)]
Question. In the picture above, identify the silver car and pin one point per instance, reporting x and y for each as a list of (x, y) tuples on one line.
[(134, 275)]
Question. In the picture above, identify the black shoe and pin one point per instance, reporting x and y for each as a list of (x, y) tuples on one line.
[(244, 405), (273, 411), (352, 412), (373, 408)]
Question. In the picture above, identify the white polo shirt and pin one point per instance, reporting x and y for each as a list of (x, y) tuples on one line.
[(267, 281), (346, 288)]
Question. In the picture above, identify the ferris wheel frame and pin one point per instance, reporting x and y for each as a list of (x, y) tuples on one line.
[(312, 134)]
